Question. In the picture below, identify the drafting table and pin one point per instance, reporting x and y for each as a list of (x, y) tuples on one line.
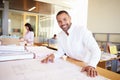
[(32, 69)]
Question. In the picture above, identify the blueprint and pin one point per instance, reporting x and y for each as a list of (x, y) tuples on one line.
[(33, 69)]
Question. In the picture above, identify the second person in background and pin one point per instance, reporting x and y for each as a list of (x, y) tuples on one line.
[(29, 35)]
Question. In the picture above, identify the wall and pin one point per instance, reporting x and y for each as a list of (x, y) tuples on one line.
[(104, 16), (77, 11)]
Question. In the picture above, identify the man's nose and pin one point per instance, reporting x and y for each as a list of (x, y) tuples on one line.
[(63, 23)]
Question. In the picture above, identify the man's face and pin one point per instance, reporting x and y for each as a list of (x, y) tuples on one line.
[(64, 21)]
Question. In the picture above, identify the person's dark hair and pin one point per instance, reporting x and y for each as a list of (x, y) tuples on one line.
[(29, 26), (63, 11), (55, 35)]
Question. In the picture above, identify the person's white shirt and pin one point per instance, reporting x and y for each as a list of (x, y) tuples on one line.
[(29, 36), (79, 44)]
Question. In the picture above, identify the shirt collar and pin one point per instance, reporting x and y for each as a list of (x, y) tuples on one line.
[(70, 29)]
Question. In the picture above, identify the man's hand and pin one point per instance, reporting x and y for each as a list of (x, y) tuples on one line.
[(91, 71), (49, 58)]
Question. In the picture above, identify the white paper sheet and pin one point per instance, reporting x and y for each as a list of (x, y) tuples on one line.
[(34, 70), (40, 51), (7, 57), (11, 52), (107, 56), (7, 54), (12, 48)]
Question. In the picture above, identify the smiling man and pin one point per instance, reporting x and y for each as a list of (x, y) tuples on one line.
[(76, 42)]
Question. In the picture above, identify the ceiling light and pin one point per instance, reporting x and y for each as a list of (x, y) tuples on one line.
[(32, 8)]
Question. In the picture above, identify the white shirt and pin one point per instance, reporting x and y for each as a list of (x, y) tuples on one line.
[(29, 36), (79, 44)]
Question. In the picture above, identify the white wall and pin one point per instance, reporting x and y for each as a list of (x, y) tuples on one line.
[(104, 16), (77, 9), (79, 12)]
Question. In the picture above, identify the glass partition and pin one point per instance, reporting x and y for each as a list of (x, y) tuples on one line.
[(42, 18), (15, 23)]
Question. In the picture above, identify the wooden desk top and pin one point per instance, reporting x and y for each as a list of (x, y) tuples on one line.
[(51, 46), (103, 72)]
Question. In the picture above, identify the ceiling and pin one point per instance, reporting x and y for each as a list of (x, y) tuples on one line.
[(65, 3), (25, 5)]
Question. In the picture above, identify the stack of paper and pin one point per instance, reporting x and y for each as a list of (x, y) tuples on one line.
[(14, 53), (11, 48), (107, 56), (15, 56)]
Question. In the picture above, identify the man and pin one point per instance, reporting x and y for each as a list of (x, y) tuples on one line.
[(76, 42)]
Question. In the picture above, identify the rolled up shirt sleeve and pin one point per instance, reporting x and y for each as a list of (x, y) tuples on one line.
[(92, 46)]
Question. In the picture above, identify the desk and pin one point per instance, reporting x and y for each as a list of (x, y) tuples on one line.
[(106, 73), (26, 67), (10, 41), (50, 46), (103, 63), (32, 69)]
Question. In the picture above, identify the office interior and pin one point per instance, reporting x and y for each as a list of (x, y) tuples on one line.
[(99, 16)]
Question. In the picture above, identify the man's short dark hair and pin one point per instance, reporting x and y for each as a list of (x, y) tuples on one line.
[(63, 11)]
